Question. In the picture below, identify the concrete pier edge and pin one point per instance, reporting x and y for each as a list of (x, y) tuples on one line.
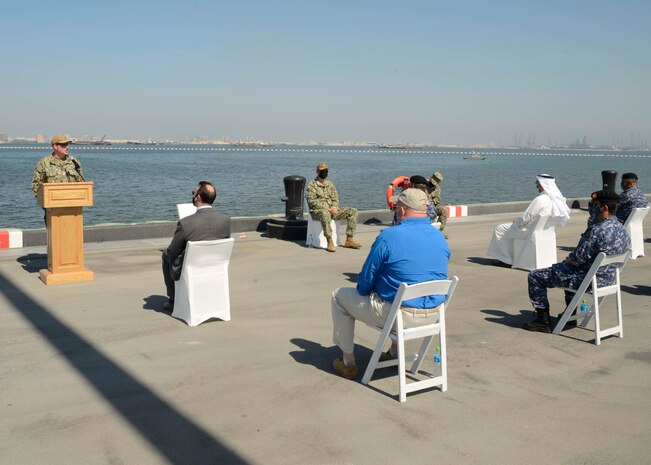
[(158, 229)]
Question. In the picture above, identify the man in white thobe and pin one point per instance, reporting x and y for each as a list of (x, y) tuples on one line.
[(549, 201)]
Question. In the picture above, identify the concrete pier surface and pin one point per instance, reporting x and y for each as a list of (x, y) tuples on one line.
[(97, 373)]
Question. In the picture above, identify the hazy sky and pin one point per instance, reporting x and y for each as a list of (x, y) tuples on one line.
[(386, 71)]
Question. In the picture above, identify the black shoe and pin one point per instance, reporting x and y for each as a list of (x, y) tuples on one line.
[(540, 323), (168, 306), (501, 264)]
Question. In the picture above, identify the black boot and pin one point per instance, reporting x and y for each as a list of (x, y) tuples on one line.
[(540, 323)]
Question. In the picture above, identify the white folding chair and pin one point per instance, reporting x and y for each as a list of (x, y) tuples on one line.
[(589, 287), (202, 291), (185, 209), (635, 227), (394, 329), (538, 248), (316, 236)]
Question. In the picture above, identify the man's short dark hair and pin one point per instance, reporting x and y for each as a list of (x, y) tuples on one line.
[(205, 192), (632, 176)]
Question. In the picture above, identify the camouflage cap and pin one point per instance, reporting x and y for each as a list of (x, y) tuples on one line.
[(322, 166), (437, 176), (60, 139)]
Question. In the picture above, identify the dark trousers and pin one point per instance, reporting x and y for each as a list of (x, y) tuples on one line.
[(167, 276)]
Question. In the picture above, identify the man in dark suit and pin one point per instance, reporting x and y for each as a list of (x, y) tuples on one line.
[(207, 224)]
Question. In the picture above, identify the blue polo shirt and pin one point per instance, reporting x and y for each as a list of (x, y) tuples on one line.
[(412, 252)]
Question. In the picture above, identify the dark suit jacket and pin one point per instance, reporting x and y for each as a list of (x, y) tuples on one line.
[(207, 224)]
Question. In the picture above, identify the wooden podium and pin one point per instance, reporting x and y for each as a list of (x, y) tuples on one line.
[(64, 220)]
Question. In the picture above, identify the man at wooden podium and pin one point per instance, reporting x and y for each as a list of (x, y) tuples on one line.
[(57, 167), (62, 191)]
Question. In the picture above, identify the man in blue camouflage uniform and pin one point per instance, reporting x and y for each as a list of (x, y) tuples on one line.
[(606, 235), (631, 197)]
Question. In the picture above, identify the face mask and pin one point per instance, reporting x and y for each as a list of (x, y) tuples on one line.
[(323, 174)]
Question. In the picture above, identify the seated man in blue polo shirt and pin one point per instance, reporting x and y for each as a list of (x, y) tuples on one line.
[(411, 252)]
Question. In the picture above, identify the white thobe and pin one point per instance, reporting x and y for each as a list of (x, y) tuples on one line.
[(501, 246)]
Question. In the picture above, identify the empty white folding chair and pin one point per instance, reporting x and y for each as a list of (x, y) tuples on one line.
[(538, 248), (589, 287), (185, 209), (202, 291), (395, 330), (635, 227)]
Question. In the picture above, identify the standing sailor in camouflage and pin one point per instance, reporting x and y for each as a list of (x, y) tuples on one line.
[(58, 167), (435, 196), (606, 235), (323, 202)]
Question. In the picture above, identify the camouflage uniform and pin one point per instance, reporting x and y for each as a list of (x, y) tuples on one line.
[(608, 236), (435, 196), (320, 197), (628, 200), (52, 169)]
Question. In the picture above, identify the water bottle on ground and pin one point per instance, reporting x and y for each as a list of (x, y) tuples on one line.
[(584, 308), (310, 241), (437, 356)]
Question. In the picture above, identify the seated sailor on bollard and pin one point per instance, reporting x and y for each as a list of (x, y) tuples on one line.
[(434, 192), (323, 202)]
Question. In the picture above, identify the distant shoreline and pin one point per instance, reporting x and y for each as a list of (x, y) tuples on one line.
[(134, 145)]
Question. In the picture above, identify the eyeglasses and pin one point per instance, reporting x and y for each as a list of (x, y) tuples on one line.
[(65, 144)]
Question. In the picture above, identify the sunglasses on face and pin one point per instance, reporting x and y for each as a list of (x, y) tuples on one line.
[(64, 145)]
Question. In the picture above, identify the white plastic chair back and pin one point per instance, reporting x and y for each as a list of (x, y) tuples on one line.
[(538, 248), (395, 330), (589, 287), (315, 235), (202, 291), (635, 227), (185, 209)]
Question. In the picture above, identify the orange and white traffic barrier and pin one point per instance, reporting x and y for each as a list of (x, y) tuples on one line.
[(456, 210), (11, 238)]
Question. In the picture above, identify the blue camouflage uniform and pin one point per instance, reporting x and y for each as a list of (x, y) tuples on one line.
[(608, 236), (628, 200)]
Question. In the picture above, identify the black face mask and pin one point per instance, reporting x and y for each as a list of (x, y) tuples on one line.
[(323, 174)]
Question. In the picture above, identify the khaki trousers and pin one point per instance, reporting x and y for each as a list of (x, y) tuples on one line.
[(348, 305)]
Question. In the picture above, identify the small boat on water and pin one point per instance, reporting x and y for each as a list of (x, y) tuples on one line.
[(474, 156)]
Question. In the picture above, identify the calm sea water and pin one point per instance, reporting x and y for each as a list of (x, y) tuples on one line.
[(135, 184)]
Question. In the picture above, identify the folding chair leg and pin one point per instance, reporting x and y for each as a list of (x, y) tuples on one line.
[(444, 356), (401, 370), (597, 334)]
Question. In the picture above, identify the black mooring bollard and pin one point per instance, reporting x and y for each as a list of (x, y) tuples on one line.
[(609, 178), (293, 227), (294, 187)]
